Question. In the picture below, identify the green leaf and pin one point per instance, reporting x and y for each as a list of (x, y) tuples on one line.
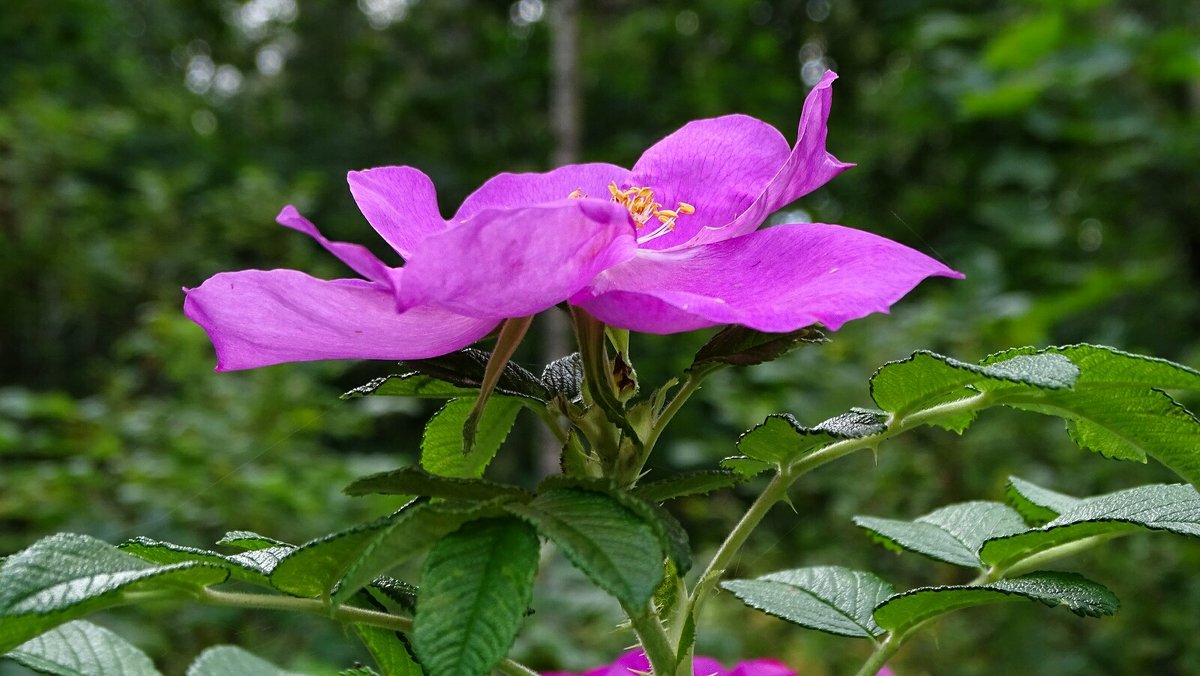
[(1174, 508), (223, 660), (671, 534), (244, 539), (619, 551), (1107, 397), (952, 534), (565, 377), (81, 648), (777, 439), (314, 567), (1129, 425), (1118, 410), (399, 592), (832, 599), (1079, 594), (413, 481), (1037, 505), (389, 651), (412, 384), (745, 466), (475, 587), (442, 444), (1101, 366), (688, 483), (742, 346), (252, 566), (926, 378), (781, 439), (406, 536), (466, 368), (65, 576)]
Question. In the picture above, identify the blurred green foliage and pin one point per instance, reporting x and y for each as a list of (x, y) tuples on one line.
[(1050, 150)]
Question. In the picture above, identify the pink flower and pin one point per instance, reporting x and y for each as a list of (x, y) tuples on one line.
[(635, 662), (671, 245)]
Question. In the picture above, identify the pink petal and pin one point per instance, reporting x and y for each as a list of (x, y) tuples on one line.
[(778, 279), (763, 667), (632, 661), (635, 662), (258, 318), (808, 167), (639, 312), (519, 190), (718, 165), (517, 262), (399, 202), (358, 257), (707, 666)]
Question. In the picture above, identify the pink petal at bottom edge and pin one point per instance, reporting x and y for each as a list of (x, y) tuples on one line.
[(259, 318), (635, 662)]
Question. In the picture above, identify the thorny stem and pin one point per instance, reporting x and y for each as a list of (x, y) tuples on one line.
[(342, 613), (653, 638), (774, 492)]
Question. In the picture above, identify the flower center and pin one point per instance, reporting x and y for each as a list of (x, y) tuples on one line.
[(641, 205)]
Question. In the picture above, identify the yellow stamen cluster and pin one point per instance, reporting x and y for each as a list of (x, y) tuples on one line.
[(641, 205)]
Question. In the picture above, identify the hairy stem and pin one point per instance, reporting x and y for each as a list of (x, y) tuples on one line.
[(653, 638), (774, 492)]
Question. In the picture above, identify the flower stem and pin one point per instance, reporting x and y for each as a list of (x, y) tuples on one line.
[(774, 492), (653, 638)]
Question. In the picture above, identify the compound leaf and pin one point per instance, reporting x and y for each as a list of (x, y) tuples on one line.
[(66, 576), (1173, 508)]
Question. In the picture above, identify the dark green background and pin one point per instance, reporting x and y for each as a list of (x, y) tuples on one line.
[(1049, 150)]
